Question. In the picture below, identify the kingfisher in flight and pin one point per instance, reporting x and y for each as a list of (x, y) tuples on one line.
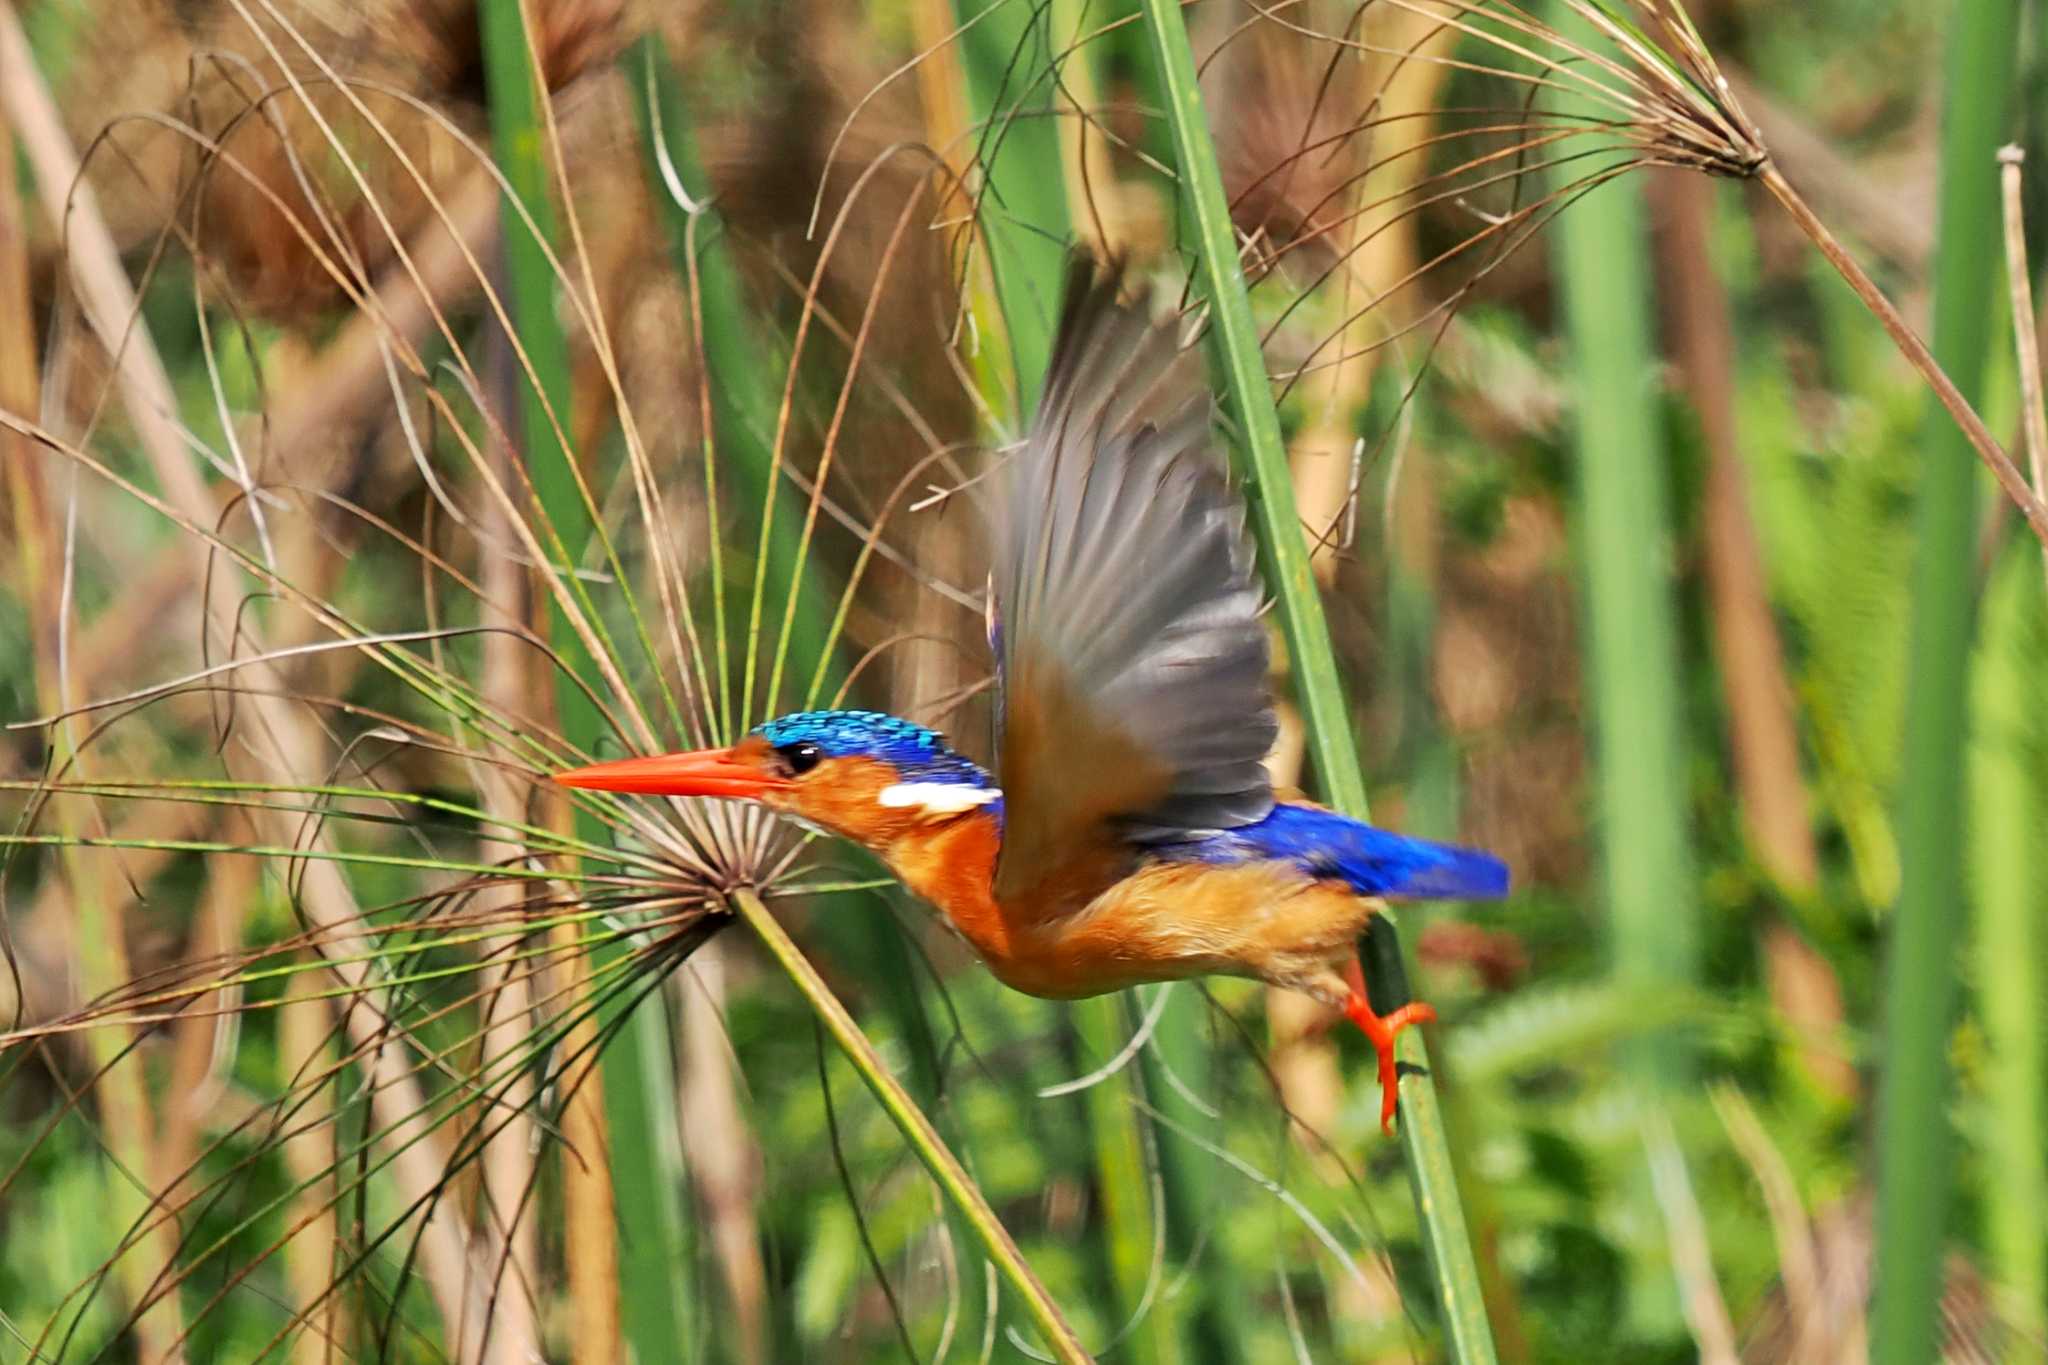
[(1129, 832)]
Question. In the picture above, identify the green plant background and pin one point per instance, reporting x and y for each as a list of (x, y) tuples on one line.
[(1692, 1094)]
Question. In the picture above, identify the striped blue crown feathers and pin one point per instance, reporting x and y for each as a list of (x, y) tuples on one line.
[(918, 754)]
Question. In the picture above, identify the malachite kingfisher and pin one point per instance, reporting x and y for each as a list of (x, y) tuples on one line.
[(1129, 833)]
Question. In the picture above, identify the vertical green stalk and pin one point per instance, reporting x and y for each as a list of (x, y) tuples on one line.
[(1625, 547), (1208, 1310), (1024, 225), (2007, 813), (1269, 488), (744, 399), (1123, 1186), (530, 302), (646, 1152), (1024, 210), (147, 1259), (1205, 1320), (1913, 1138), (1600, 249)]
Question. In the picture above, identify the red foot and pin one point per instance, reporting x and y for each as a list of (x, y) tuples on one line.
[(1382, 1031)]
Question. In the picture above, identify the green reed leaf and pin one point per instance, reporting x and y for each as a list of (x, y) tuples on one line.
[(1914, 1140), (1269, 488)]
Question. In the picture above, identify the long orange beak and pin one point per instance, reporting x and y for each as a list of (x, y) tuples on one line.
[(704, 772)]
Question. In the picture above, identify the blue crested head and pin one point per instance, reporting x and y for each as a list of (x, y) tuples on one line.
[(918, 754)]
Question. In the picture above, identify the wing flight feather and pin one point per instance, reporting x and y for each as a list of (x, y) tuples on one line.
[(1134, 704)]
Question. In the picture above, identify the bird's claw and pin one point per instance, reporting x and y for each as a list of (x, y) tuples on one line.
[(1381, 1031)]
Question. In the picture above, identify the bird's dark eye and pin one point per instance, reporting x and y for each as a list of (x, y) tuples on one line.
[(801, 756)]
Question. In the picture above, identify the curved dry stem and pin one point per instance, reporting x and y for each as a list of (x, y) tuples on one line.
[(2010, 480)]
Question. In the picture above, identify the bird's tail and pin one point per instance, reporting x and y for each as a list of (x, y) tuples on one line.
[(1375, 862), (1443, 872), (1382, 863)]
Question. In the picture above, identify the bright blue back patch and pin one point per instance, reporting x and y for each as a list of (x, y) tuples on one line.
[(1371, 861), (918, 754)]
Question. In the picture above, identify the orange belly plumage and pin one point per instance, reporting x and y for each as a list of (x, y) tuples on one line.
[(1165, 921)]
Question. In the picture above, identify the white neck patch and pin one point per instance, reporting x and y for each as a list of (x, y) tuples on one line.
[(936, 798)]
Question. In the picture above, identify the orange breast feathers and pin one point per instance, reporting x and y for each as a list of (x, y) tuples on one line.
[(1164, 921)]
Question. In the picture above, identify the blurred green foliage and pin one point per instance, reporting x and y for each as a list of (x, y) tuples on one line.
[(1243, 1265)]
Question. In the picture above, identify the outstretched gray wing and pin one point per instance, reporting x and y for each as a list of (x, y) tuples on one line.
[(1133, 667)]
